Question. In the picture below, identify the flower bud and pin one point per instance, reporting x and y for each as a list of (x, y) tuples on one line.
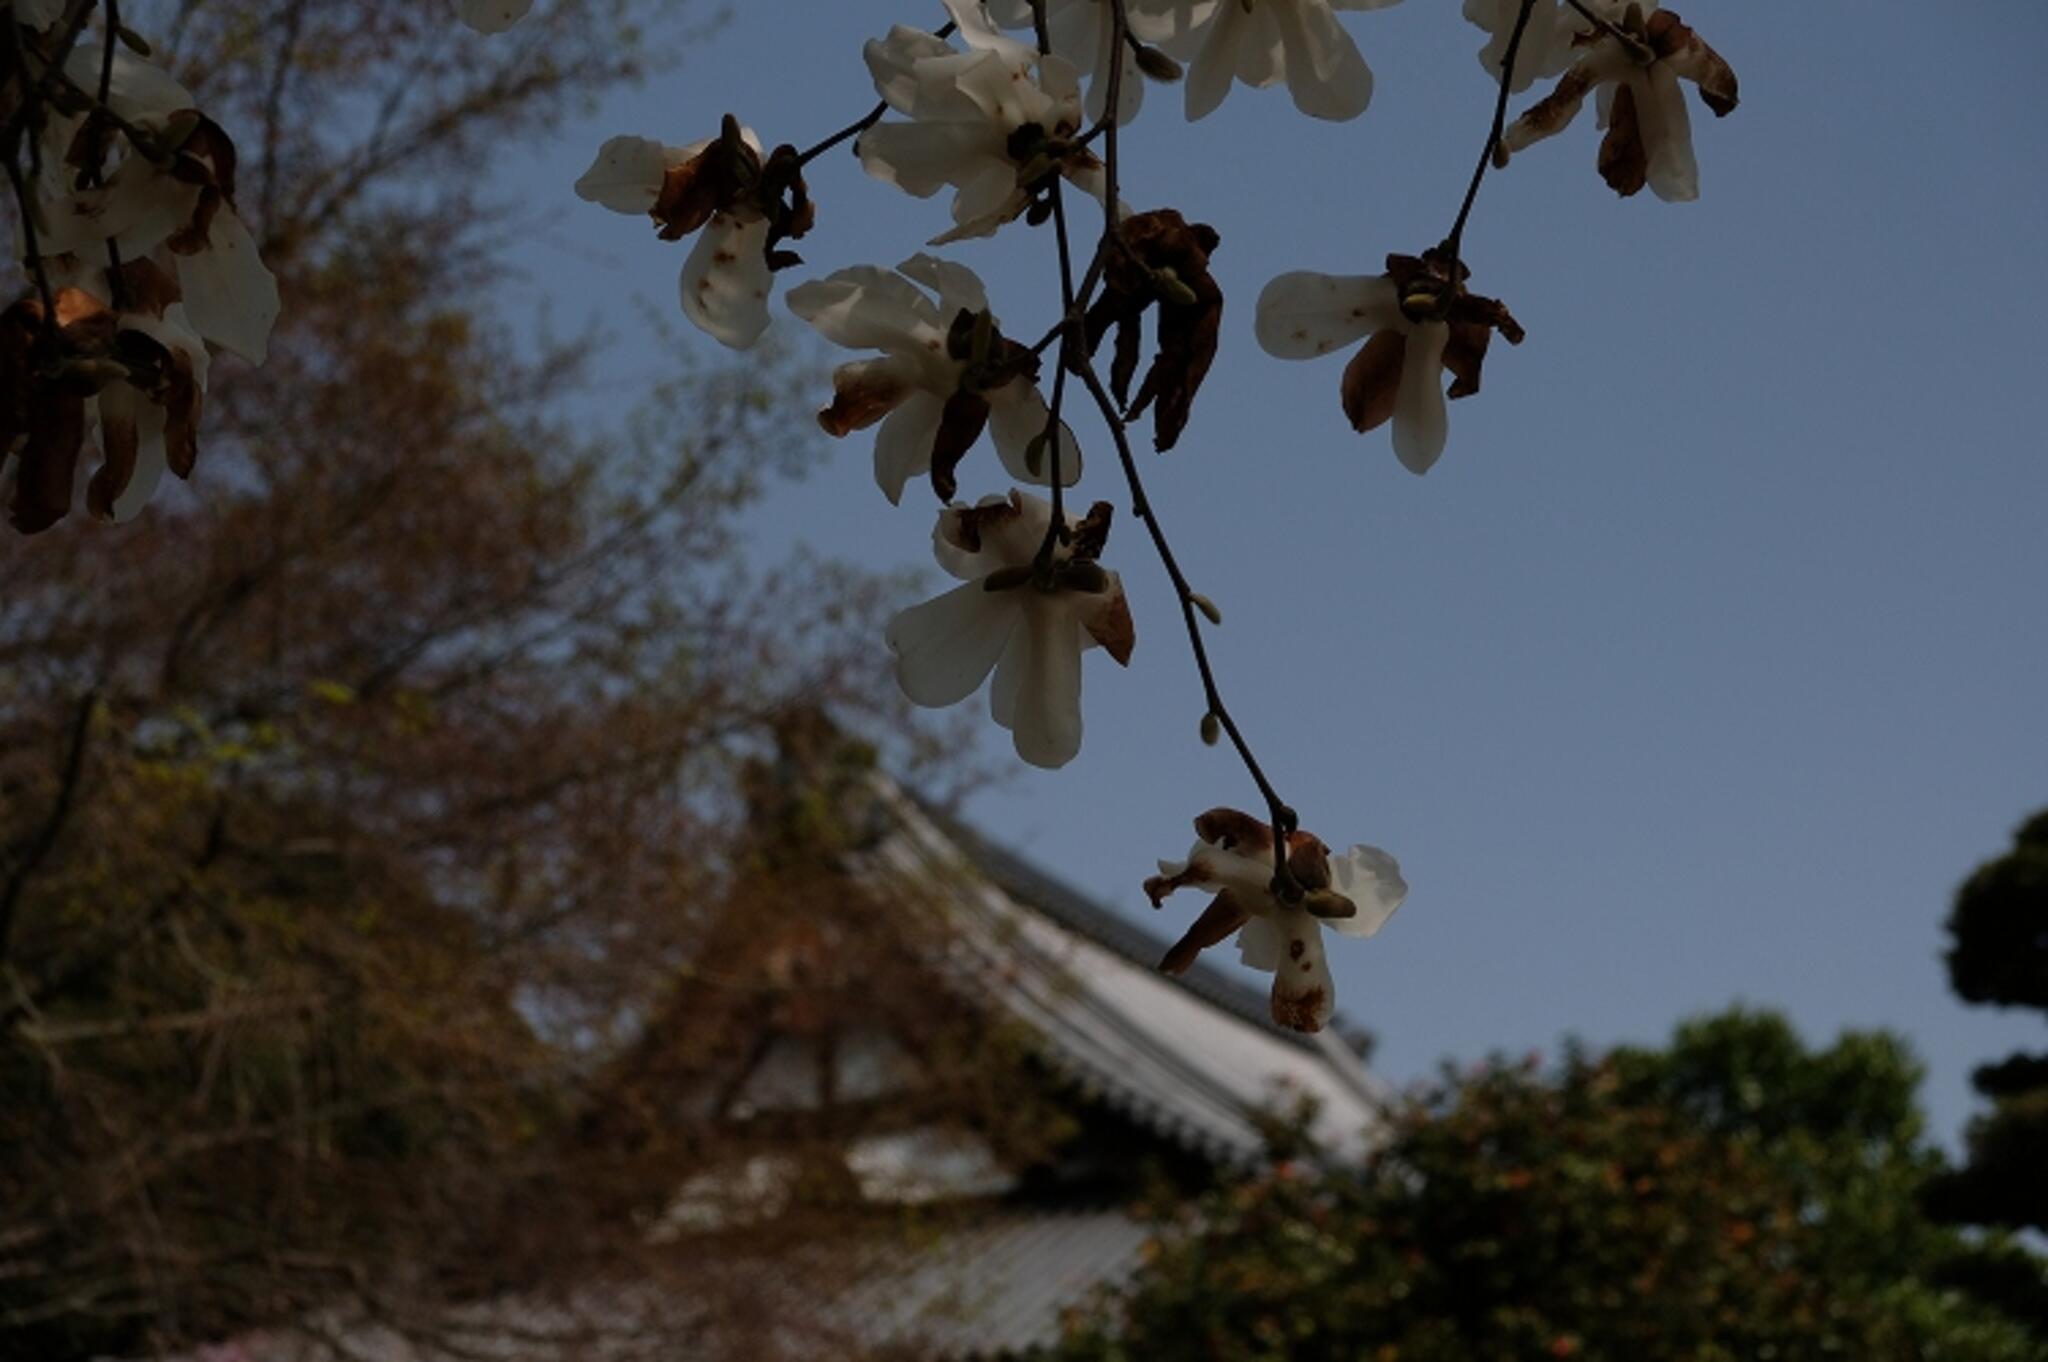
[(1328, 903), (1173, 288), (1206, 606), (1157, 65), (1212, 728)]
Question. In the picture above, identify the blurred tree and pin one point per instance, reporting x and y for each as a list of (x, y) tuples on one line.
[(1732, 1196), (357, 813), (1999, 956)]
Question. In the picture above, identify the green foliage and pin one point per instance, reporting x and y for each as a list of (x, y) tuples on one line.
[(1998, 955), (1733, 1196)]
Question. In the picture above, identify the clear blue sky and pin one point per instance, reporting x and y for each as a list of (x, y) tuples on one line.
[(1710, 656)]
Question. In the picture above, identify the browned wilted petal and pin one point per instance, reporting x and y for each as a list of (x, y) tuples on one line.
[(149, 287), (1110, 624), (960, 424), (1223, 916), (119, 443), (862, 393), (1234, 830), (1549, 114), (687, 199), (1624, 160), (1372, 380), (1688, 55), (190, 239), (1308, 860), (207, 156), (82, 318), (49, 461), (1488, 312), (1297, 1011), (1464, 353), (1187, 347)]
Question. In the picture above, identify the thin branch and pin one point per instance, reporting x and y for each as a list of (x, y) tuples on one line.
[(859, 125), (60, 811), (1455, 239)]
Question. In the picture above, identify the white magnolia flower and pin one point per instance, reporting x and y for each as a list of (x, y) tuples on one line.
[(1029, 627), (727, 276), (930, 384), (993, 121), (177, 207), (1649, 133), (1419, 326), (1353, 895), (128, 384), (1546, 47), (493, 16), (1267, 42)]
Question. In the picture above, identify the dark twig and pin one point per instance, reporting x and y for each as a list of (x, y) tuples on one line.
[(1455, 239), (45, 837), (859, 125)]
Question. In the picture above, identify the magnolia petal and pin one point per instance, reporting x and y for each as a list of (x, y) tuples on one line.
[(1046, 714), (1003, 91), (1302, 314), (1688, 55), (1624, 161), (120, 442), (959, 288), (1552, 114), (1674, 173), (1109, 623), (1130, 83), (1371, 879), (903, 446), (1009, 679), (1326, 73), (893, 63), (864, 392), (998, 532), (1215, 66), (138, 205), (866, 308), (626, 175), (970, 541), (1017, 416), (493, 16), (1372, 380), (230, 297), (1261, 48), (1304, 996), (1420, 423), (924, 157), (988, 198), (978, 29), (946, 647), (1223, 916), (138, 90), (1259, 945), (726, 279)]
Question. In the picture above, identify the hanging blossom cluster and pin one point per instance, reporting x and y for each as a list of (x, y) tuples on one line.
[(1011, 114), (140, 266)]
